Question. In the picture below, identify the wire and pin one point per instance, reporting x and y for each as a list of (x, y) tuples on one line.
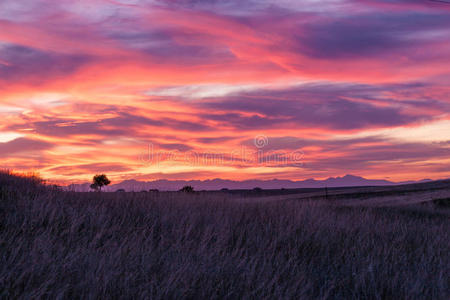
[(440, 1)]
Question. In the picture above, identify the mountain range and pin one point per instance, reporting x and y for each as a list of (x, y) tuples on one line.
[(217, 184)]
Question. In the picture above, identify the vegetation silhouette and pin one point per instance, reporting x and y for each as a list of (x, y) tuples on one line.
[(98, 181), (57, 243), (187, 189)]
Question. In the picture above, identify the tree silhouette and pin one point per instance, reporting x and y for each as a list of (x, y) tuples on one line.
[(98, 181), (187, 189)]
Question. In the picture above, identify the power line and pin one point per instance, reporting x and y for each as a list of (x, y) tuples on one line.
[(440, 1)]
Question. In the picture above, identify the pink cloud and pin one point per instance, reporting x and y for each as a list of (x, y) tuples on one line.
[(310, 72)]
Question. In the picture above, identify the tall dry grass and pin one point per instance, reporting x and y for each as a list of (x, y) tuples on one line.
[(57, 244)]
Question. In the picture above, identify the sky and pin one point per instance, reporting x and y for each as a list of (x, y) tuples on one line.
[(197, 89)]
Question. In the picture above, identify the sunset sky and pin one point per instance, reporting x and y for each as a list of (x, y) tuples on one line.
[(203, 89)]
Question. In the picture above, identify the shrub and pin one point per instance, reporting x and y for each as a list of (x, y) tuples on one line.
[(187, 189)]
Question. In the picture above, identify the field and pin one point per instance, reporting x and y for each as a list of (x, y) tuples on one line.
[(358, 243)]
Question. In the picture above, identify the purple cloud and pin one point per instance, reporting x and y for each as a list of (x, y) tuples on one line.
[(175, 146), (322, 106), (124, 124), (90, 168), (215, 140), (24, 62), (23, 145), (376, 34)]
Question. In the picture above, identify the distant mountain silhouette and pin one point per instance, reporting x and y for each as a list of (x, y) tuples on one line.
[(217, 184)]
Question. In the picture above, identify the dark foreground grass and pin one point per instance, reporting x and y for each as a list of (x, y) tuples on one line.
[(58, 244)]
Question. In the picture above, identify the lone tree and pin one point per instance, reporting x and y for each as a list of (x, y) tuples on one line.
[(98, 181), (187, 189)]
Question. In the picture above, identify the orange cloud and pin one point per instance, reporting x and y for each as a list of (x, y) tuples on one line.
[(85, 91)]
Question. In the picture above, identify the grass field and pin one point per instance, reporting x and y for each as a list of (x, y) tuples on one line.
[(57, 244)]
